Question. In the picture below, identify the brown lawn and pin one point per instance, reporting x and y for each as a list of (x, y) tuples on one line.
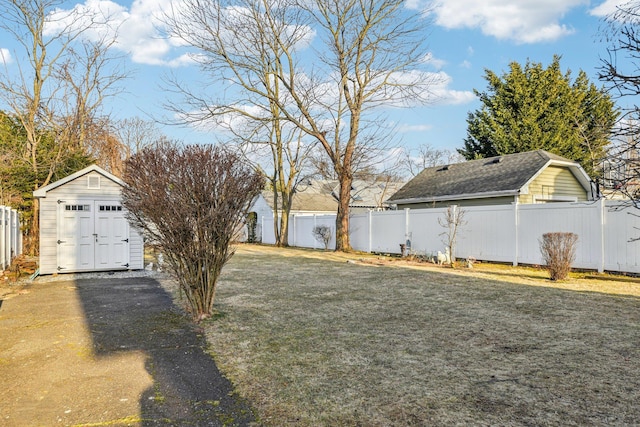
[(312, 339)]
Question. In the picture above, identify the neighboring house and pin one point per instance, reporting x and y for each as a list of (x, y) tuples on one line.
[(321, 197), (621, 175), (530, 177), (366, 196), (83, 226), (313, 197)]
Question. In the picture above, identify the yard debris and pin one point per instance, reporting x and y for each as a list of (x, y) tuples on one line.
[(22, 265)]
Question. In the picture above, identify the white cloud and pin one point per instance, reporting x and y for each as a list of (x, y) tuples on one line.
[(523, 21), (137, 30), (5, 56), (441, 94), (433, 61), (607, 8), (414, 128)]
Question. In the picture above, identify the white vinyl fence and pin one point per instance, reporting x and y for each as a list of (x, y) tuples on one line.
[(606, 231), (10, 235)]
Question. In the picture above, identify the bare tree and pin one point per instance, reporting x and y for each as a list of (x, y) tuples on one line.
[(233, 48), (190, 201), (136, 133), (368, 49), (282, 166), (425, 156), (111, 143), (620, 71), (46, 91), (453, 221), (89, 75)]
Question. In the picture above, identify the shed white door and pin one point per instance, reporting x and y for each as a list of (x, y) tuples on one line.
[(92, 235)]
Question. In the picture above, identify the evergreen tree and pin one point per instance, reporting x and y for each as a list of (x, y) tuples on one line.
[(17, 177), (535, 108)]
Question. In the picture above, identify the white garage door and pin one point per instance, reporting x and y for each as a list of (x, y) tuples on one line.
[(92, 235)]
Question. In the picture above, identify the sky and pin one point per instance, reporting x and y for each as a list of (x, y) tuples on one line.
[(465, 38)]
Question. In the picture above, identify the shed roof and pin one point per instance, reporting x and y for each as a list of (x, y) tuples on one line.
[(42, 192), (491, 177)]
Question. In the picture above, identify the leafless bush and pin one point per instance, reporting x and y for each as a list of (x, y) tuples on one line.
[(452, 221), (558, 252), (190, 201), (322, 233)]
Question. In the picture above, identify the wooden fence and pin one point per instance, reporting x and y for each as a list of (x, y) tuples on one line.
[(511, 233), (10, 235)]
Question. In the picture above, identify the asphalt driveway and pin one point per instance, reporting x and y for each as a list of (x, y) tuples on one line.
[(115, 352)]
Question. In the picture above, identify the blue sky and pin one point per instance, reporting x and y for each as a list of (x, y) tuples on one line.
[(466, 37)]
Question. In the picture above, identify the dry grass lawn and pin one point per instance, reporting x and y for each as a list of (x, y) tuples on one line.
[(313, 340)]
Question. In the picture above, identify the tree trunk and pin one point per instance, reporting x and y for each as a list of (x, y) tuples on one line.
[(342, 218), (33, 245), (284, 228)]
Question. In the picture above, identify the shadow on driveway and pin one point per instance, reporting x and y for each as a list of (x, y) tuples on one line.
[(137, 314)]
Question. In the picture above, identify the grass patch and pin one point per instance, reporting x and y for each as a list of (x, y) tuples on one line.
[(317, 342)]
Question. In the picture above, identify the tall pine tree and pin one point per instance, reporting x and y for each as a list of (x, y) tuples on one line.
[(535, 108)]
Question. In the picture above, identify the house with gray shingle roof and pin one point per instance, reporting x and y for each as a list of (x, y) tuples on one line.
[(529, 177)]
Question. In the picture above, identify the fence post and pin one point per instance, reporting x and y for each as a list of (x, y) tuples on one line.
[(406, 228), (3, 241), (601, 214), (294, 230), (369, 232), (516, 223), (315, 224)]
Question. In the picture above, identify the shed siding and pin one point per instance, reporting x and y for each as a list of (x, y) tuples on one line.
[(79, 188), (555, 181), (75, 191), (48, 235), (136, 250)]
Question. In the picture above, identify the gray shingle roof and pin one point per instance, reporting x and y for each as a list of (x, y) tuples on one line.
[(307, 201), (502, 174)]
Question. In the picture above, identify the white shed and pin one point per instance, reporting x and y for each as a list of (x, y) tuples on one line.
[(83, 225)]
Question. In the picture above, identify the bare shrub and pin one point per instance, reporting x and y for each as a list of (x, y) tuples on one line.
[(322, 233), (190, 201), (558, 252), (452, 221)]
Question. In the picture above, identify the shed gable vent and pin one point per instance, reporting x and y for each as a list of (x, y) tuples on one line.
[(93, 182)]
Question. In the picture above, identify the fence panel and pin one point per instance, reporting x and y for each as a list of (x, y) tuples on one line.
[(424, 231), (509, 233), (359, 231), (487, 233), (621, 227), (10, 235), (268, 235), (582, 219), (388, 231), (302, 227)]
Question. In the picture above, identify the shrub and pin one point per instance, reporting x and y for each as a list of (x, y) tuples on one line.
[(190, 201), (252, 223), (322, 233), (558, 252)]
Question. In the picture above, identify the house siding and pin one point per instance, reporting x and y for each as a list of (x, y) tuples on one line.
[(489, 201), (555, 181)]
